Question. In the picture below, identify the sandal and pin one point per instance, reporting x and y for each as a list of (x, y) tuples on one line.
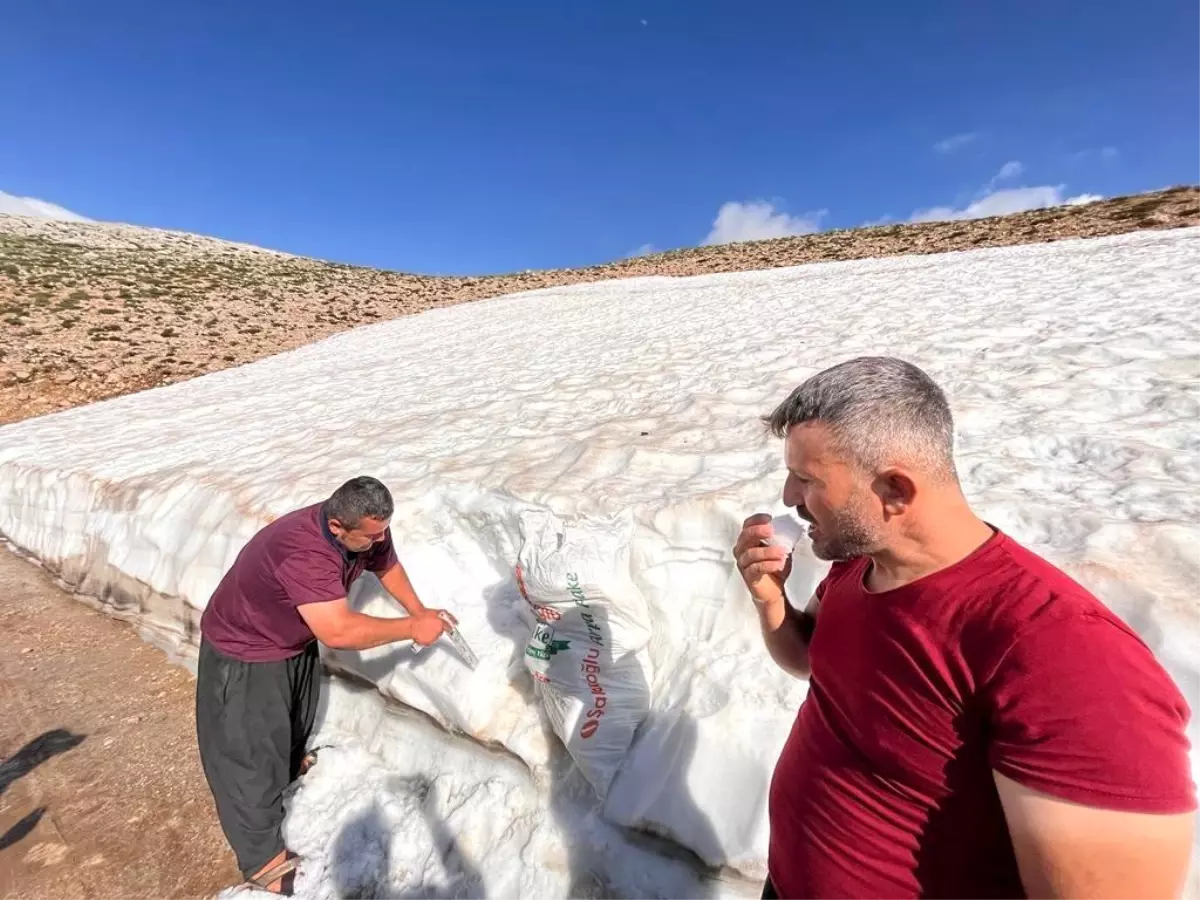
[(285, 873)]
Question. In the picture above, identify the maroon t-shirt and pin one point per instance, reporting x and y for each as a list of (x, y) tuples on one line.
[(1001, 662), (295, 560)]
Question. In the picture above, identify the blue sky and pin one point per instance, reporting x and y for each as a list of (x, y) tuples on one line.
[(469, 137)]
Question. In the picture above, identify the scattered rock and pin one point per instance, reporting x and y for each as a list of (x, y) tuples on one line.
[(65, 377), (46, 854)]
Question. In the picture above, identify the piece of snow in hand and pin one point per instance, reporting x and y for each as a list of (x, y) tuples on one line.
[(788, 530)]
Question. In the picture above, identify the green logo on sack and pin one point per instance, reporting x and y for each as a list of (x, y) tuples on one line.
[(549, 650)]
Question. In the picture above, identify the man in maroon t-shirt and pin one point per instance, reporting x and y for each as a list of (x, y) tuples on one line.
[(258, 679), (977, 724)]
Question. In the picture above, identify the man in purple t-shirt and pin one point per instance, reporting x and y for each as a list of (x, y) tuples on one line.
[(258, 679)]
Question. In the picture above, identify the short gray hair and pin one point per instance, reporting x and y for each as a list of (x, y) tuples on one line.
[(360, 498), (880, 411)]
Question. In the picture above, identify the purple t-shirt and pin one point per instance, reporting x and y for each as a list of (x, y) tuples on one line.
[(295, 560)]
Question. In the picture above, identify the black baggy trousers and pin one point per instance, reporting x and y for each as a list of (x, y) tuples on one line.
[(253, 722)]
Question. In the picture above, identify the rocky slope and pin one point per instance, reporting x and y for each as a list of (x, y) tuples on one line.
[(92, 310)]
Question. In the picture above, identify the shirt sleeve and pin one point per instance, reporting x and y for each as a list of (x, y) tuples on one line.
[(309, 578), (382, 556), (1080, 709)]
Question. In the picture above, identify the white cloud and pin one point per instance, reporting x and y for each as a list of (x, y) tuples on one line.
[(1009, 170), (955, 142), (759, 220), (1109, 153), (30, 206), (644, 250), (1004, 202)]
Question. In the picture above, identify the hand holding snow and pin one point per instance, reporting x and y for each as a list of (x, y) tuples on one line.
[(787, 530)]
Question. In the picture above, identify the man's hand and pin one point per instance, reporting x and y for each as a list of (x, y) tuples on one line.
[(429, 625), (764, 566)]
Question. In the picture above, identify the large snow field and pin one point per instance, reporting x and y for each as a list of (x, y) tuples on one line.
[(1074, 372)]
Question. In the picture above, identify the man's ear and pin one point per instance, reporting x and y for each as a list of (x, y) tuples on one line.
[(896, 490), (335, 526)]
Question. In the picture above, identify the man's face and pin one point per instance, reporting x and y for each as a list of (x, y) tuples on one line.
[(363, 536), (833, 494)]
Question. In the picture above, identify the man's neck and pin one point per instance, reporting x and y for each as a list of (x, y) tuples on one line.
[(951, 535)]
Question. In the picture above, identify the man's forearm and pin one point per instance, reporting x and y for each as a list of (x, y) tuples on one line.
[(362, 632), (395, 582), (787, 632)]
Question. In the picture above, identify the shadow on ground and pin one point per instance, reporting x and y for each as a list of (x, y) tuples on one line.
[(41, 748)]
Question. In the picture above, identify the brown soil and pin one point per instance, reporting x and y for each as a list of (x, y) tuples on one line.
[(101, 791), (94, 310)]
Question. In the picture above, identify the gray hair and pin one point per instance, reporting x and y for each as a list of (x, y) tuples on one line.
[(359, 498), (880, 411)]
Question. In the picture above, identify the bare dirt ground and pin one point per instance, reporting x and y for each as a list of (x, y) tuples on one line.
[(96, 310), (101, 791)]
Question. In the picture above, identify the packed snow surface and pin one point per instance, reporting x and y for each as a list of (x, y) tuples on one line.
[(1074, 372)]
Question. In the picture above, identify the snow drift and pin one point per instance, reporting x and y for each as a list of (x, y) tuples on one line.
[(1073, 369)]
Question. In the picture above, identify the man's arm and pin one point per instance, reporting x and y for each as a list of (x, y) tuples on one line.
[(787, 632), (1068, 850), (765, 568), (395, 581), (1089, 752), (336, 625)]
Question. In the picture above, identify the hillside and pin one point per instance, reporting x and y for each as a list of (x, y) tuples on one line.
[(93, 310)]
